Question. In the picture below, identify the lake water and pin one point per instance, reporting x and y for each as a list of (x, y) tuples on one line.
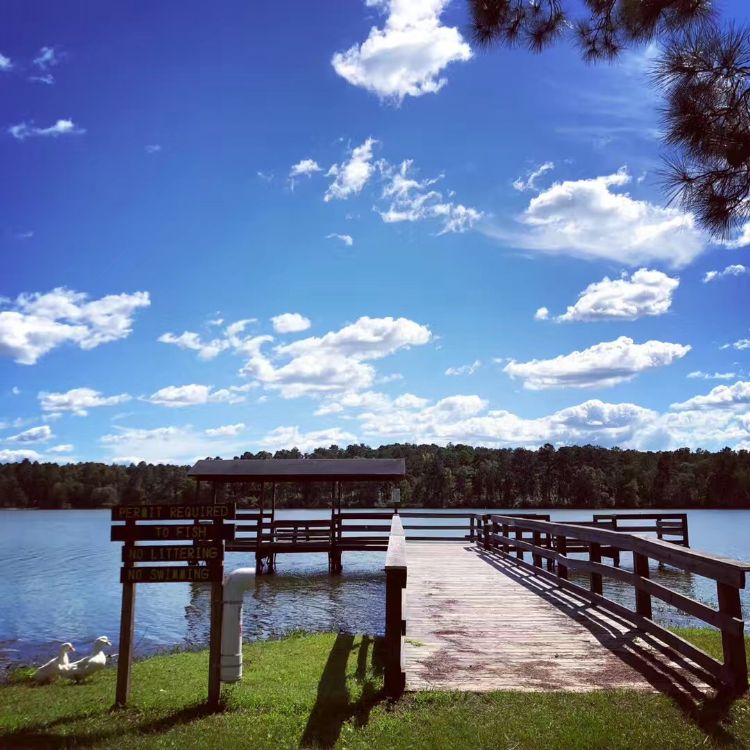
[(59, 581)]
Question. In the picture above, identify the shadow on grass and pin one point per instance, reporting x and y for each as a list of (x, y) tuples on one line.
[(40, 736), (332, 705), (664, 668)]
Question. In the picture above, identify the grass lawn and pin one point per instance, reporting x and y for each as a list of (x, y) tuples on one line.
[(325, 691)]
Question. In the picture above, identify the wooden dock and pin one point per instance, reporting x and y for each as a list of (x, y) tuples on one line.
[(509, 630)]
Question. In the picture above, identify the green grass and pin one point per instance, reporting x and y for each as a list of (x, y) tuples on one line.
[(325, 691)]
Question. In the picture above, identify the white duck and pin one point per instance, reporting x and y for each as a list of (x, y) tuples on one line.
[(95, 661), (50, 671)]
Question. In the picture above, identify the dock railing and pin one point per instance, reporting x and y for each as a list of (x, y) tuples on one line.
[(395, 610), (550, 542)]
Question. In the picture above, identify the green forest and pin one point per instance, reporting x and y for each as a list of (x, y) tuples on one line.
[(450, 476)]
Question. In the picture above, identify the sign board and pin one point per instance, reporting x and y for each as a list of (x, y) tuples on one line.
[(203, 512), (172, 574), (174, 532), (172, 553), (202, 532)]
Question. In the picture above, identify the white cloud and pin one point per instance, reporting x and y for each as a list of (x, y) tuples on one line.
[(153, 148), (46, 78), (47, 58), (32, 435), (733, 270), (290, 323), (345, 238), (740, 345), (542, 313), (700, 375), (5, 63), (352, 175), (15, 390), (720, 397), (741, 241), (37, 323), (64, 448), (645, 293), (602, 365), (292, 437), (410, 199), (194, 394), (25, 130), (306, 167), (7, 457), (78, 401), (176, 445), (408, 55), (465, 369), (191, 340), (227, 430), (587, 219), (337, 361), (529, 183)]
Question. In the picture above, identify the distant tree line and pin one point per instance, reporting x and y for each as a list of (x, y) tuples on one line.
[(451, 476)]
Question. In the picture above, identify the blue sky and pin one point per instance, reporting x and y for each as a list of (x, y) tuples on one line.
[(251, 226)]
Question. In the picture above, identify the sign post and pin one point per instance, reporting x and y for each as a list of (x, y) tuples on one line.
[(202, 549)]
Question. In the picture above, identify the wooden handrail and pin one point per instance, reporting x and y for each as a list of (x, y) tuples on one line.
[(395, 624), (550, 541)]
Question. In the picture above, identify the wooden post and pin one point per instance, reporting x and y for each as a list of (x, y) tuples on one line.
[(486, 530), (127, 623), (685, 532), (548, 544), (642, 598), (536, 557), (217, 607), (519, 551), (595, 556), (395, 583), (506, 531), (733, 643), (471, 528), (562, 548)]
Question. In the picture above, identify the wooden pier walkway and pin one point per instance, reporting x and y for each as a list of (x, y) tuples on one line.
[(479, 615), (477, 622)]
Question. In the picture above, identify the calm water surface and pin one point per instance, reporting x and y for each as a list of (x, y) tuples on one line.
[(60, 581)]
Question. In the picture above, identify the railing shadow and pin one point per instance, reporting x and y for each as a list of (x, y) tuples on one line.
[(333, 707), (677, 677)]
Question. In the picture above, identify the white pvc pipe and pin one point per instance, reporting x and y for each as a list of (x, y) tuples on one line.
[(235, 584)]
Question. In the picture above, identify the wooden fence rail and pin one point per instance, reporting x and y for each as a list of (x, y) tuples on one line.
[(551, 542), (395, 624)]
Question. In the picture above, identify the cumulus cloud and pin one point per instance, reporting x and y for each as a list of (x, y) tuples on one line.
[(227, 430), (77, 401), (408, 55), (602, 365), (740, 345), (11, 456), (304, 168), (337, 361), (34, 324), (63, 448), (5, 63), (351, 175), (25, 130), (740, 241), (411, 199), (292, 437), (168, 445), (644, 293), (32, 435), (720, 397), (589, 219), (290, 323), (528, 182), (194, 394), (345, 238), (465, 369), (733, 270), (47, 58), (542, 313), (153, 148)]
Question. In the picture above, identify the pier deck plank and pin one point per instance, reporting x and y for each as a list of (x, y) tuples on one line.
[(477, 622)]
